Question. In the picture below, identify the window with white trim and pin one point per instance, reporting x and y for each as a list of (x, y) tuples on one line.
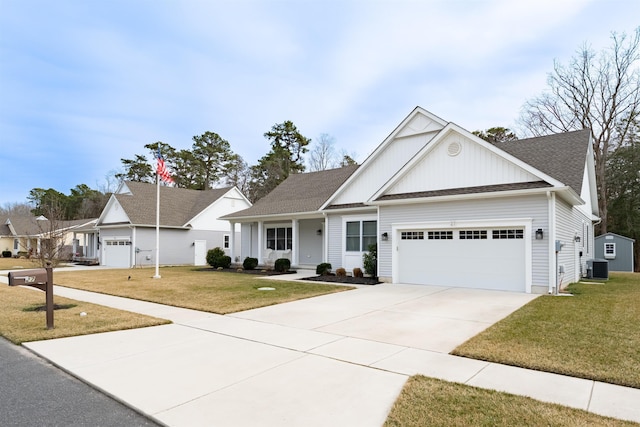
[(360, 234), (412, 235), (279, 238), (225, 243), (473, 234), (440, 235), (508, 234), (609, 250)]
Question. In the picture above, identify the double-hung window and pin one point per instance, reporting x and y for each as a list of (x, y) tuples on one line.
[(279, 238), (360, 234)]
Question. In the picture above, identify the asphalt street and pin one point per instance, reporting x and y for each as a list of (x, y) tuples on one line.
[(34, 392)]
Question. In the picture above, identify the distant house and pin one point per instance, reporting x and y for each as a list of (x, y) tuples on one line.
[(616, 249), (189, 225), (24, 235), (444, 208)]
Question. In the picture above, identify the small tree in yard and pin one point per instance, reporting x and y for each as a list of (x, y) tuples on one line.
[(51, 233), (370, 260)]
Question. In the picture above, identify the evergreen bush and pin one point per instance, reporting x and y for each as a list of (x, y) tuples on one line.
[(250, 263), (282, 265), (322, 269), (370, 260)]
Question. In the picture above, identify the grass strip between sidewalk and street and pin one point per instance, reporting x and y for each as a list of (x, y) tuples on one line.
[(198, 289), (23, 318), (431, 402), (593, 334)]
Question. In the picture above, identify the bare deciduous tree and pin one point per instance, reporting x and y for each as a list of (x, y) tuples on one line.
[(596, 91), (323, 155)]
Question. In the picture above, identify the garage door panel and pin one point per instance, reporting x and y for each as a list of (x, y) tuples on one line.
[(117, 253), (485, 263)]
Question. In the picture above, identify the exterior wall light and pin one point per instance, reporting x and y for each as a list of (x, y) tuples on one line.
[(319, 232), (385, 236), (539, 234)]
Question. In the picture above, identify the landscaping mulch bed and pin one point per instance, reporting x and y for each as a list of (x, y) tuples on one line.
[(256, 271), (346, 280)]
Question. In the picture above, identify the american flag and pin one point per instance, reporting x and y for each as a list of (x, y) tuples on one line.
[(162, 170)]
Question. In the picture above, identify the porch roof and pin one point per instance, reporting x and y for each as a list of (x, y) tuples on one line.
[(301, 192)]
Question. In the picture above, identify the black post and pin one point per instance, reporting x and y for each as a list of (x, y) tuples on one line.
[(49, 295)]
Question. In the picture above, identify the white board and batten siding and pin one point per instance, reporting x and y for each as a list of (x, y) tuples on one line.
[(458, 162), (381, 168), (525, 212)]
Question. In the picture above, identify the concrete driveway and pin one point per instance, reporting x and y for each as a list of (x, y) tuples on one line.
[(430, 318), (338, 359)]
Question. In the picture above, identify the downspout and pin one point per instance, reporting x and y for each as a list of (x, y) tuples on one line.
[(553, 277), (325, 239)]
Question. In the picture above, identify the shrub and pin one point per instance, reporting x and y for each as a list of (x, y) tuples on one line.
[(224, 261), (217, 258), (322, 269), (370, 260), (250, 263), (6, 254), (357, 272), (341, 272), (282, 265)]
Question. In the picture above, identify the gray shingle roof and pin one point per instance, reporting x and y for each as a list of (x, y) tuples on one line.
[(301, 192), (177, 205), (561, 156), (29, 226)]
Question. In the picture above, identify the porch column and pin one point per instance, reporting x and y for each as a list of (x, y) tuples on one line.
[(232, 240), (294, 242), (260, 243), (74, 249)]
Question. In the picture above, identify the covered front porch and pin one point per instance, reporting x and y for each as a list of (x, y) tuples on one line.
[(300, 240)]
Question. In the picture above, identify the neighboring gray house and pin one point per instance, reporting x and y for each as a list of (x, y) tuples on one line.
[(616, 249), (444, 207), (189, 225)]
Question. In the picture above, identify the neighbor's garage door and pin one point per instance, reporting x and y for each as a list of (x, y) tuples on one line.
[(474, 258), (117, 253)]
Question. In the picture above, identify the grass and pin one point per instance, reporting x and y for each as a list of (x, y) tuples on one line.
[(431, 402), (20, 321), (188, 287), (15, 263), (594, 334)]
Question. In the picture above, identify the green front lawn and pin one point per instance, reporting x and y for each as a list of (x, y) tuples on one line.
[(594, 334), (189, 287)]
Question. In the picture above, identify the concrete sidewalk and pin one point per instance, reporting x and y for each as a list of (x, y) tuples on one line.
[(338, 359)]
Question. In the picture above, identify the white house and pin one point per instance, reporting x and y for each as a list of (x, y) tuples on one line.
[(444, 207), (189, 225)]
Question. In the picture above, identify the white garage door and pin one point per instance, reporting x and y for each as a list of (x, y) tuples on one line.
[(117, 253), (491, 258)]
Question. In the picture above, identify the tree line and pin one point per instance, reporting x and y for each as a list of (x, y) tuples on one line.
[(209, 163)]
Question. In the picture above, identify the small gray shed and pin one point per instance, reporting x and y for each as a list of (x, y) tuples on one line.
[(616, 249)]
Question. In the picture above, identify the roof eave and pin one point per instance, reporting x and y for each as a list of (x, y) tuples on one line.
[(267, 217), (469, 196)]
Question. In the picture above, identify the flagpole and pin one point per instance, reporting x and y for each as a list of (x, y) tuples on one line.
[(157, 275)]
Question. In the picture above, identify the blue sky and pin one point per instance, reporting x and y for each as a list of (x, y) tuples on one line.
[(84, 83)]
